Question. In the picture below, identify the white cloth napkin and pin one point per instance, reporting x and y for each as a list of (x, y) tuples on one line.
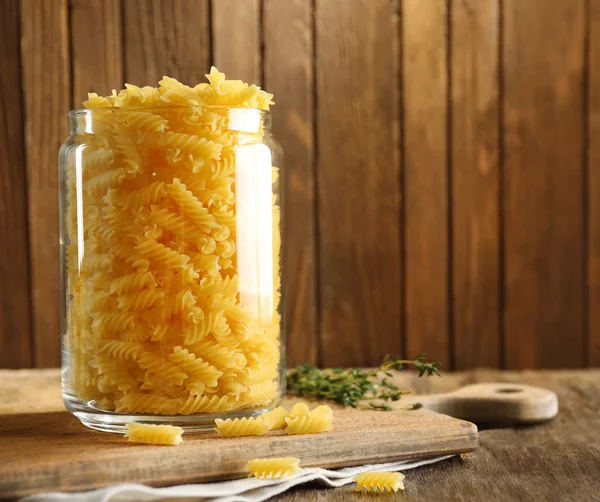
[(238, 490)]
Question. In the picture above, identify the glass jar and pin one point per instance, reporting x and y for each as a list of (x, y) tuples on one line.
[(170, 255)]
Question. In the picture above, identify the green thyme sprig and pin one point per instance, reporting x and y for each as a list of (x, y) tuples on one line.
[(351, 387)]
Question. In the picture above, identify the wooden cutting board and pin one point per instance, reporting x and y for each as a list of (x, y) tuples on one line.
[(53, 451), (44, 448)]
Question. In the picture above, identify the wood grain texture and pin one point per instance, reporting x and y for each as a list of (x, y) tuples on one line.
[(560, 458), (426, 180), (96, 40), (468, 209), (358, 181), (166, 38), (492, 403), (50, 449), (474, 208), (236, 28), (593, 186), (543, 183), (288, 72), (15, 307), (47, 96), (522, 463)]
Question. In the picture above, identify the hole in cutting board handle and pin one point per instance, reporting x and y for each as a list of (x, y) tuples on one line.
[(508, 390)]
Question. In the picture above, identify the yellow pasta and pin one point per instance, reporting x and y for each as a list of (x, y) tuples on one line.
[(200, 404), (162, 319), (160, 254), (220, 356), (95, 101), (273, 468), (113, 374), (299, 409), (379, 481), (154, 434), (145, 121), (141, 300), (150, 194), (260, 392), (275, 418), (318, 420), (101, 183), (255, 426), (135, 281), (195, 367), (138, 402), (122, 349)]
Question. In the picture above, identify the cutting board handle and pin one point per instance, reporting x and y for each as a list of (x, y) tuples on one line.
[(498, 403)]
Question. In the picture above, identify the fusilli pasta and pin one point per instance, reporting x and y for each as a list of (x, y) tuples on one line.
[(318, 420), (275, 418), (255, 426), (299, 409), (154, 434), (162, 317), (273, 468), (379, 481)]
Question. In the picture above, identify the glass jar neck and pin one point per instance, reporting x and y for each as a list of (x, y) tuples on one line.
[(237, 120)]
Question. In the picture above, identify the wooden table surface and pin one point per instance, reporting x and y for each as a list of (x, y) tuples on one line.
[(559, 460)]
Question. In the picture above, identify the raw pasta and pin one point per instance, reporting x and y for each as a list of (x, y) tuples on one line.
[(273, 468), (275, 418), (318, 420), (154, 434), (379, 481), (241, 427), (159, 320), (299, 409)]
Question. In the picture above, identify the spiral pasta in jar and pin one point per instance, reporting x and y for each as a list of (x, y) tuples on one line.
[(171, 246)]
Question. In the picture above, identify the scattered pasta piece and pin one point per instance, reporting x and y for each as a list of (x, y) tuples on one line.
[(318, 420), (241, 427), (299, 409), (273, 468), (154, 434), (379, 481), (275, 418)]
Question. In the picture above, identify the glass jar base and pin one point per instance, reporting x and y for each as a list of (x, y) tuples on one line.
[(108, 421)]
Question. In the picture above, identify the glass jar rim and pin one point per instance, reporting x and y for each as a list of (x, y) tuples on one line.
[(81, 112)]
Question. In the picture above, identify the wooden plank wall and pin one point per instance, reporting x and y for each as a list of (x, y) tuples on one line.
[(442, 156)]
